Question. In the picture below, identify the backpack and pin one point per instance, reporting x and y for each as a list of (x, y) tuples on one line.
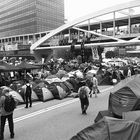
[(82, 93), (89, 83), (9, 104), (28, 90)]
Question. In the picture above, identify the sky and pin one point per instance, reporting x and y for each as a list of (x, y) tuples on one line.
[(78, 8)]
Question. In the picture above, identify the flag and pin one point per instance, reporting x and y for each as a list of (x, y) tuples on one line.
[(94, 53)]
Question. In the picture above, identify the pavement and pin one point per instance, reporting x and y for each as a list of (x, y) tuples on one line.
[(56, 119)]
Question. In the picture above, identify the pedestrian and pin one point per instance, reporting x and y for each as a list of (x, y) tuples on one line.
[(7, 106), (95, 86), (83, 96), (28, 94), (129, 72)]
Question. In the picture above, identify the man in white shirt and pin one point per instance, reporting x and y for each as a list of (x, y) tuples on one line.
[(95, 85)]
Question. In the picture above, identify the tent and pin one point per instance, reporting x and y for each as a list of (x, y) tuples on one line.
[(15, 94), (68, 85), (16, 85), (74, 83), (110, 129), (57, 91), (42, 92), (125, 96), (21, 91)]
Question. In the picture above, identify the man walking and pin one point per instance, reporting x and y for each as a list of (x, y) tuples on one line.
[(83, 96), (28, 94), (7, 106)]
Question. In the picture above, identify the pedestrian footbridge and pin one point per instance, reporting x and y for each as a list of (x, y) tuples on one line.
[(114, 26)]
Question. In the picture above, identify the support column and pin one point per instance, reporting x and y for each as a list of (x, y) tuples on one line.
[(113, 23), (129, 25), (89, 27), (34, 38), (78, 35), (100, 27), (69, 36)]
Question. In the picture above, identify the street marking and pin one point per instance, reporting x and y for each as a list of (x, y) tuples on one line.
[(50, 108), (24, 107), (44, 110)]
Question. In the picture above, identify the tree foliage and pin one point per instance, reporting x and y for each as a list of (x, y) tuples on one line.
[(110, 54)]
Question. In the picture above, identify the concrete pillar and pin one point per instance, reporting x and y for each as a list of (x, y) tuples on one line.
[(129, 25), (113, 23)]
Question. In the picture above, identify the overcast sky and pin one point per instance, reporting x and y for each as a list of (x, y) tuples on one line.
[(78, 8)]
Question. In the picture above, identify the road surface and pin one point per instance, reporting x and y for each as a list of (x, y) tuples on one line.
[(56, 119)]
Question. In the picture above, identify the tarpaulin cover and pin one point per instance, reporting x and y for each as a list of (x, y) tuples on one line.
[(25, 66), (7, 67), (110, 129), (125, 96)]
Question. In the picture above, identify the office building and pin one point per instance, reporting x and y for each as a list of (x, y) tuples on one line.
[(18, 17)]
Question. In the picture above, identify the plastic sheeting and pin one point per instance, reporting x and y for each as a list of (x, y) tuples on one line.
[(110, 129)]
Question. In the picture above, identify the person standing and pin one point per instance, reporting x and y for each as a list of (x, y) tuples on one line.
[(83, 96), (28, 94), (129, 72), (7, 106), (95, 85)]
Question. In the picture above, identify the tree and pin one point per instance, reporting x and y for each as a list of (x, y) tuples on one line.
[(110, 54)]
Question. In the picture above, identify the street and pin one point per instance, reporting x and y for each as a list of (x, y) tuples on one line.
[(56, 119)]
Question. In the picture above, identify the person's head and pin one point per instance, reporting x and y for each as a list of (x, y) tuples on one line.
[(94, 75), (5, 91), (27, 81)]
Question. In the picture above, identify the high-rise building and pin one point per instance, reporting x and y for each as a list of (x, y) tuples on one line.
[(19, 17)]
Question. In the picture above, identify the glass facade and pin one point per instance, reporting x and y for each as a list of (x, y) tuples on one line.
[(19, 17)]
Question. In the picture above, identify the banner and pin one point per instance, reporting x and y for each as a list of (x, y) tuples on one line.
[(94, 53)]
